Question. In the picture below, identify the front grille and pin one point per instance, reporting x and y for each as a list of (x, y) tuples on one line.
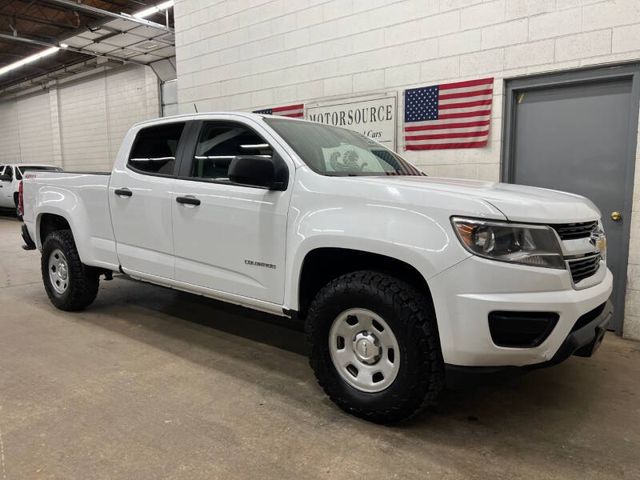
[(584, 267), (572, 231)]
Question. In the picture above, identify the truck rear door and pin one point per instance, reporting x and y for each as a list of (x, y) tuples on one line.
[(141, 202)]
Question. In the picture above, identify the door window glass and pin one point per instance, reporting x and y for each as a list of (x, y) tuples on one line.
[(154, 150), (219, 144), (9, 171)]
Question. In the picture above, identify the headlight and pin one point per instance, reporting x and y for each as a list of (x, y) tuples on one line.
[(535, 245)]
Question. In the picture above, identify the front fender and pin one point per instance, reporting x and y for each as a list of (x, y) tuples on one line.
[(411, 236)]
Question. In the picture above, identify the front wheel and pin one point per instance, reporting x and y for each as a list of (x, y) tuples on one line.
[(374, 346), (70, 284)]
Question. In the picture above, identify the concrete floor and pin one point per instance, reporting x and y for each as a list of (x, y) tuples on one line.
[(149, 383)]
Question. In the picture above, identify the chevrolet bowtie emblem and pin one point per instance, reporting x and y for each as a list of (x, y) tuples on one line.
[(598, 240)]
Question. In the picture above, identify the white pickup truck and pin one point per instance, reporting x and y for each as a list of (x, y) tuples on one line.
[(395, 274)]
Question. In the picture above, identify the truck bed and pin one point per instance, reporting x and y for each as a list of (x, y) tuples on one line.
[(81, 198)]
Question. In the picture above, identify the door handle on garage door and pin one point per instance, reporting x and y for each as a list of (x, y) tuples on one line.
[(188, 201), (123, 192)]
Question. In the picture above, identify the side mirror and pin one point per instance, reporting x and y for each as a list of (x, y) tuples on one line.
[(5, 178), (258, 171)]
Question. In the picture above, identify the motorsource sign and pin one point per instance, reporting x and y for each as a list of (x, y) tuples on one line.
[(373, 117)]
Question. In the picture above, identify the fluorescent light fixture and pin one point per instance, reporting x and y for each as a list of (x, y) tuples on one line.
[(147, 12), (29, 59), (64, 45)]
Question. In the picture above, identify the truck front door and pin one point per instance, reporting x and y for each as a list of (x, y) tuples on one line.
[(228, 237), (140, 201)]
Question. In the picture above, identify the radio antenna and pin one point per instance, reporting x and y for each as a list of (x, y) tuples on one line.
[(195, 107)]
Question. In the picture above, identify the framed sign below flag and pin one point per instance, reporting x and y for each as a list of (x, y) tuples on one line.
[(450, 115), (293, 111)]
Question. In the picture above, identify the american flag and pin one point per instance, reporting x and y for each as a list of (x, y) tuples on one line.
[(294, 111), (451, 115)]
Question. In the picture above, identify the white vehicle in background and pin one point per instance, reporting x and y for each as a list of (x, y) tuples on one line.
[(393, 272), (10, 177)]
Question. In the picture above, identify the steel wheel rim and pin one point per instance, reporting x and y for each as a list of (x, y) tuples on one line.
[(58, 271), (364, 350)]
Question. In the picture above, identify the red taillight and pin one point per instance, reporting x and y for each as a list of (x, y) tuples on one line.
[(20, 199)]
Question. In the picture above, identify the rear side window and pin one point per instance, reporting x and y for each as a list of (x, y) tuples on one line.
[(154, 149), (219, 144)]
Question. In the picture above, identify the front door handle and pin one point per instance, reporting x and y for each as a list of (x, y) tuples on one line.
[(616, 216), (188, 201), (123, 192)]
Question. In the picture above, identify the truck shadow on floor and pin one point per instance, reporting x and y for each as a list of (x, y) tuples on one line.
[(496, 416), (8, 215), (178, 321)]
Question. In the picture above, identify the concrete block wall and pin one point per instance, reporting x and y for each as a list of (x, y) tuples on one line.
[(96, 112), (132, 96), (34, 129), (632, 308), (9, 138), (79, 124), (248, 54), (83, 124), (26, 130)]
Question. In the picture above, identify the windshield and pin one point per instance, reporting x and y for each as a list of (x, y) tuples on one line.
[(336, 151)]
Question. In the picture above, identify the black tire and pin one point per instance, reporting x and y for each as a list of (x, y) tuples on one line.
[(410, 315), (83, 281)]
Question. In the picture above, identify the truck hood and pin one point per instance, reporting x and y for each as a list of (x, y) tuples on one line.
[(518, 203)]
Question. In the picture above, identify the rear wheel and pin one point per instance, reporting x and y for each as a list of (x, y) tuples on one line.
[(375, 347), (70, 284)]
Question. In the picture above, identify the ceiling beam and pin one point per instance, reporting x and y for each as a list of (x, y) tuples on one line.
[(23, 39), (29, 18), (105, 13), (33, 41), (66, 73)]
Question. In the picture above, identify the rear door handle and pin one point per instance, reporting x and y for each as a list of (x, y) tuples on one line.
[(188, 201), (123, 192)]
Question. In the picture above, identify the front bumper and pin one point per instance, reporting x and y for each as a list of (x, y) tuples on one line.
[(584, 339), (465, 294)]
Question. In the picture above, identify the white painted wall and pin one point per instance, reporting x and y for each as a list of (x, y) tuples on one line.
[(247, 54), (79, 124)]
